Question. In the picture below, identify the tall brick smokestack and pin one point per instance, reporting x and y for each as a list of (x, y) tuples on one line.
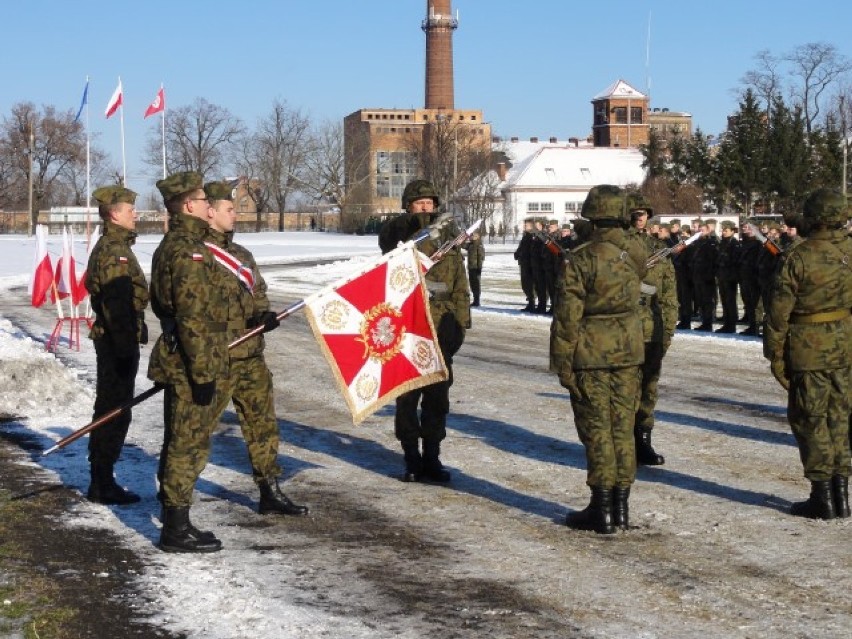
[(439, 26)]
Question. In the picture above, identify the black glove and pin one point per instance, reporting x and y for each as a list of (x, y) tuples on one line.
[(124, 366), (270, 321), (202, 394), (143, 334)]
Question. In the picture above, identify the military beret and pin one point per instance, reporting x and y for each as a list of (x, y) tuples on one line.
[(653, 221), (674, 221), (696, 220), (179, 183), (709, 220), (219, 191), (666, 225), (566, 226), (774, 226), (727, 224), (108, 195), (553, 222)]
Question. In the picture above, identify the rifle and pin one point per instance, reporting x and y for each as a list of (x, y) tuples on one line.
[(552, 245), (768, 244), (456, 241), (663, 253), (434, 228)]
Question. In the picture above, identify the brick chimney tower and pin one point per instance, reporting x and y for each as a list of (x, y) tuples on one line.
[(439, 25)]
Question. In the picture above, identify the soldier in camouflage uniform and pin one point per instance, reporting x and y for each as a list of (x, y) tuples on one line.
[(596, 348), (808, 342), (658, 310), (475, 259), (119, 295), (249, 381), (448, 306), (189, 296)]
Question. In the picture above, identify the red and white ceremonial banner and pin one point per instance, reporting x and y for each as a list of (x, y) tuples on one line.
[(115, 101), (376, 332), (41, 278), (65, 277), (157, 105)]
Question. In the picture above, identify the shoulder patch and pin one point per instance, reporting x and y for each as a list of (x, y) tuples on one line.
[(197, 257), (122, 259)]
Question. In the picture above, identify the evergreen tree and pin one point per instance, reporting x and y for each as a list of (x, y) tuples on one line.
[(788, 156), (742, 166)]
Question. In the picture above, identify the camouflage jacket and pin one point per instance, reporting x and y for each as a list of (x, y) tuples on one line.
[(815, 278), (658, 305), (446, 281), (118, 289), (475, 254), (189, 296), (244, 306), (596, 321)]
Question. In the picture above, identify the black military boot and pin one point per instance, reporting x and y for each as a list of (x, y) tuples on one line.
[(820, 505), (645, 453), (707, 327), (104, 490), (840, 492), (620, 508), (751, 329), (413, 461), (179, 535), (529, 308), (597, 515), (541, 309), (684, 325), (726, 328), (433, 470), (273, 501)]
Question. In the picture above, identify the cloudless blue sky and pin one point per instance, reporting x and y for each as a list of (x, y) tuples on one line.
[(532, 66)]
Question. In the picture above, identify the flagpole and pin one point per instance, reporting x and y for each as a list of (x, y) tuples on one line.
[(123, 157), (88, 170), (164, 130)]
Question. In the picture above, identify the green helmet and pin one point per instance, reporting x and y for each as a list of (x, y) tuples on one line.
[(605, 202), (417, 190), (826, 205), (637, 202)]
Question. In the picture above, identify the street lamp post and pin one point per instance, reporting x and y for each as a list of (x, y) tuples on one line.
[(31, 152)]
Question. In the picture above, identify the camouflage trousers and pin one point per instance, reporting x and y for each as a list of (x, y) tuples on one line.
[(250, 388), (818, 405), (186, 445), (648, 385), (604, 404), (112, 390)]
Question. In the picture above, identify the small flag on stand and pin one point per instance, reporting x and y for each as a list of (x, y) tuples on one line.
[(42, 274), (64, 278), (376, 332)]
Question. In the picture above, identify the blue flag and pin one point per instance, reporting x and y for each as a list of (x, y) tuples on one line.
[(84, 101)]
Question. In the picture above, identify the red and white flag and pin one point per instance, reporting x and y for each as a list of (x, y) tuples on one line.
[(376, 332), (41, 278), (80, 291), (159, 104), (64, 277), (115, 101)]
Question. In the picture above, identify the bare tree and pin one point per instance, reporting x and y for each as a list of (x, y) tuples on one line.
[(276, 154), (816, 65), (57, 142), (765, 81), (74, 175), (199, 137)]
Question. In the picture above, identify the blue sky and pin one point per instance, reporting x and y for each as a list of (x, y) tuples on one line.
[(531, 65)]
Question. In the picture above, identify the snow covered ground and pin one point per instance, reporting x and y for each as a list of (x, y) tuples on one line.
[(713, 551)]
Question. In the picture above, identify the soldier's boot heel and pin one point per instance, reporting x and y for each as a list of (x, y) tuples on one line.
[(840, 492), (820, 504), (179, 535), (620, 507), (274, 502), (645, 453), (413, 461), (433, 469), (105, 490), (597, 516)]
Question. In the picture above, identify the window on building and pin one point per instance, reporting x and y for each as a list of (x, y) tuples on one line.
[(383, 186), (547, 207), (636, 115), (572, 207), (532, 207), (620, 115)]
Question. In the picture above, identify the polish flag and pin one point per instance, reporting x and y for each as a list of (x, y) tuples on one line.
[(64, 276), (376, 332), (159, 104), (115, 101), (80, 290), (42, 274)]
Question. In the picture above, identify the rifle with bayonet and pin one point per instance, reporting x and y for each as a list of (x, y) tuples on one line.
[(768, 243), (552, 245), (458, 240), (663, 253)]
